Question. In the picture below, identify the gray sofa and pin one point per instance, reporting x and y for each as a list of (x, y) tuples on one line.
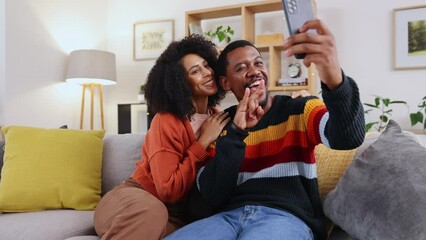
[(119, 154)]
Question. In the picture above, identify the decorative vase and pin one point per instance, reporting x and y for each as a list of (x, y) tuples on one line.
[(220, 44), (141, 97)]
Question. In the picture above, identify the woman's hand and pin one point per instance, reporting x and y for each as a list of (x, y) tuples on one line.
[(212, 127), (300, 93)]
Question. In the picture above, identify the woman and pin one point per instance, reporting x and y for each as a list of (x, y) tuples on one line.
[(182, 93)]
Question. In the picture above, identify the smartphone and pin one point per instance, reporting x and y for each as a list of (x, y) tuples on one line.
[(297, 12)]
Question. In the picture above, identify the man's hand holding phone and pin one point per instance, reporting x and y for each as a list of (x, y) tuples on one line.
[(320, 49)]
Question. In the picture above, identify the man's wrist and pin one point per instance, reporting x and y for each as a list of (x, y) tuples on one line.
[(236, 128)]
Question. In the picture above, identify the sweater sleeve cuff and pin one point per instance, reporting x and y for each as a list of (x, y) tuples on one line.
[(198, 151), (235, 131), (343, 90)]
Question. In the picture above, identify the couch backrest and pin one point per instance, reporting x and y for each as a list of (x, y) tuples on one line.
[(120, 153)]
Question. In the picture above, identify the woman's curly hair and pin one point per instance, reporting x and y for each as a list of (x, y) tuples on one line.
[(167, 88)]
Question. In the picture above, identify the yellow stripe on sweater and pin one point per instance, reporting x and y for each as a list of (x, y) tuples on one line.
[(275, 132)]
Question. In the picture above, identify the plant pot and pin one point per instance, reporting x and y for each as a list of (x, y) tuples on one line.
[(141, 97), (220, 44)]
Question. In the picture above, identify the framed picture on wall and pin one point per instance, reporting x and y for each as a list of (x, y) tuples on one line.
[(151, 38), (409, 37)]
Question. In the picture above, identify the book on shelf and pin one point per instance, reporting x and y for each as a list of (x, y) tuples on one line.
[(195, 29), (293, 81)]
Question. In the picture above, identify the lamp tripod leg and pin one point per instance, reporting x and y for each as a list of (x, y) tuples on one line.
[(92, 98), (101, 104), (82, 107)]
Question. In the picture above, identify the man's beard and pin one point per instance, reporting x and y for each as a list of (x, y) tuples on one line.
[(264, 102)]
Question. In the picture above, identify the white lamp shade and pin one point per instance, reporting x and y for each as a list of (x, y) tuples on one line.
[(91, 67)]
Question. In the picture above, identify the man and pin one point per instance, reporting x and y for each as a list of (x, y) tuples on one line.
[(263, 177)]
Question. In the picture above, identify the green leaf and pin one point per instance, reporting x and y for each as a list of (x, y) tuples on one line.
[(384, 118), (221, 36), (416, 118), (371, 105), (377, 101), (368, 126), (386, 101), (398, 102)]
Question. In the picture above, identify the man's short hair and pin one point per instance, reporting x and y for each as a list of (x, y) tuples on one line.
[(222, 61)]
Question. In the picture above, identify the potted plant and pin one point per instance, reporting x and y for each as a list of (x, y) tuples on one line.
[(385, 111), (221, 33), (420, 115), (141, 94)]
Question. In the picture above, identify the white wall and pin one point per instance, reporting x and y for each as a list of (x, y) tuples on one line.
[(40, 34), (365, 44)]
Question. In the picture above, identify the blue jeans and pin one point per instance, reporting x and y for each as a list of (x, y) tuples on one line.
[(246, 223)]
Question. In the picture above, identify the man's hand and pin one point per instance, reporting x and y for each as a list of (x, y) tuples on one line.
[(320, 49), (248, 111)]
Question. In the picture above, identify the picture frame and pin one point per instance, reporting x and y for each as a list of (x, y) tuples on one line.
[(409, 45), (151, 38)]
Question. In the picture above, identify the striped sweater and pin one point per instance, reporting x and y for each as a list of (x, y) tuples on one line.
[(273, 164)]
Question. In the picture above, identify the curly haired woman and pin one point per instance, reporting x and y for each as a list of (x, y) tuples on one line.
[(182, 93)]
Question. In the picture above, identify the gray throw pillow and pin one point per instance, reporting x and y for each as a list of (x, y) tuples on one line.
[(382, 195), (120, 153)]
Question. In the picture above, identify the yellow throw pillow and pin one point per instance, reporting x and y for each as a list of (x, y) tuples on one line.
[(50, 169), (331, 164)]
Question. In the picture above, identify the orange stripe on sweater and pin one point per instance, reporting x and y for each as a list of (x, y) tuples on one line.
[(291, 138), (314, 111), (275, 132)]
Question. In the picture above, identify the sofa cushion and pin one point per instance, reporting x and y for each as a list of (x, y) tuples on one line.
[(382, 193), (120, 153), (331, 164), (49, 224), (50, 169)]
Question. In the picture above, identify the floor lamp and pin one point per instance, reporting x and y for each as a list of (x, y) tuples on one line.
[(92, 69)]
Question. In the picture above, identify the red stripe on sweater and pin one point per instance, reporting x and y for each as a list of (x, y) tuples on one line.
[(287, 154), (313, 123), (291, 138)]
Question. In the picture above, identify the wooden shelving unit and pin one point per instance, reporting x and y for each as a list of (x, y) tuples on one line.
[(248, 13)]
